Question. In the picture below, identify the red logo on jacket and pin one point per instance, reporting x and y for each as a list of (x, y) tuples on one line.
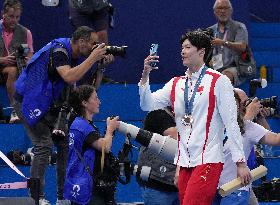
[(200, 89)]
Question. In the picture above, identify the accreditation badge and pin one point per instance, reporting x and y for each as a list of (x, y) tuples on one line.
[(217, 61)]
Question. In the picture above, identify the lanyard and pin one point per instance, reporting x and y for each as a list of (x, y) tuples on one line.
[(189, 103)]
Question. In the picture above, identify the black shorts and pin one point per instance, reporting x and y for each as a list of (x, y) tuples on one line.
[(98, 20)]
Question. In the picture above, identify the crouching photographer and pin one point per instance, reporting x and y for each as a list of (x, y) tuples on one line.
[(91, 174)]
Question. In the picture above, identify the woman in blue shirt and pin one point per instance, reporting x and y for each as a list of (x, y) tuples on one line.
[(84, 143)]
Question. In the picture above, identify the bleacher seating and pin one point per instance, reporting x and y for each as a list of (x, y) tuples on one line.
[(265, 43)]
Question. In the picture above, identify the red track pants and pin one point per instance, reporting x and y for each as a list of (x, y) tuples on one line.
[(198, 185)]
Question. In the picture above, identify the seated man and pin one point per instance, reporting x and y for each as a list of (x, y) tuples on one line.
[(12, 36), (230, 39)]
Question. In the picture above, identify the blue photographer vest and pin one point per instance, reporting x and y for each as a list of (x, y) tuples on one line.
[(78, 182), (34, 86)]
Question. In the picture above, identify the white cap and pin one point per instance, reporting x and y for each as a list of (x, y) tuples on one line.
[(263, 83), (50, 2)]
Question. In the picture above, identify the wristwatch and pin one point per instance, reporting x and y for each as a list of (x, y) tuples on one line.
[(226, 43)]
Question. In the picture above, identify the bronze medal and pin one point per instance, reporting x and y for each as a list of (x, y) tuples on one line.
[(187, 120)]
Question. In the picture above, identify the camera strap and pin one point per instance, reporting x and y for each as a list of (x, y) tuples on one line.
[(51, 69), (83, 161)]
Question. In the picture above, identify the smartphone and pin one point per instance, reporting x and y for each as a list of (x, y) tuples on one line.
[(154, 52)]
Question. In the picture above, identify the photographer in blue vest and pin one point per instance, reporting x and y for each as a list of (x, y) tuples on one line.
[(41, 95), (87, 148)]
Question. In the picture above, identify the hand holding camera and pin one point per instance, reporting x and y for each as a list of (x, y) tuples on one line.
[(98, 52), (253, 108), (266, 107), (217, 42), (108, 59)]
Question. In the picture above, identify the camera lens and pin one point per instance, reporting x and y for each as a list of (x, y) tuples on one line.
[(269, 102), (116, 51)]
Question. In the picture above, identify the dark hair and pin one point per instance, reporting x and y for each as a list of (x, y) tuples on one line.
[(239, 115), (199, 39), (16, 4), (153, 120), (78, 95), (82, 32)]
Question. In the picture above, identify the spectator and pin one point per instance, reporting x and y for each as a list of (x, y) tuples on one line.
[(84, 138), (41, 92), (159, 189), (230, 39), (12, 36), (201, 100), (93, 17), (252, 134)]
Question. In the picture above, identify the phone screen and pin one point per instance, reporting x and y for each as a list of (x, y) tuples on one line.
[(154, 52)]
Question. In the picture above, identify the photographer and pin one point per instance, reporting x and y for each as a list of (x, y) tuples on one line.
[(41, 91), (159, 188), (85, 146), (12, 36), (254, 111), (252, 133)]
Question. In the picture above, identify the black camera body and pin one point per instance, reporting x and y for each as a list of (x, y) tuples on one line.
[(19, 157), (268, 190), (20, 53), (268, 103)]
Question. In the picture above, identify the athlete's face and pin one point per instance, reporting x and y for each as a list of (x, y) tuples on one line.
[(190, 54)]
